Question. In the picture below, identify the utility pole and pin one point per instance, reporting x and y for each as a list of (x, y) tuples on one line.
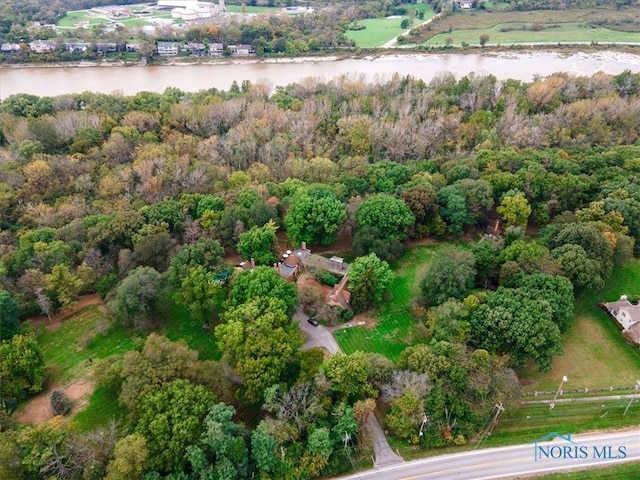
[(425, 419), (635, 394), (499, 410), (553, 403)]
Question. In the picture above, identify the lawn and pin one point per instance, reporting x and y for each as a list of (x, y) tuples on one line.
[(396, 328), (70, 350), (619, 472), (512, 33), (596, 356)]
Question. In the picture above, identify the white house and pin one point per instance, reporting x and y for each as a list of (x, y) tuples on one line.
[(625, 312)]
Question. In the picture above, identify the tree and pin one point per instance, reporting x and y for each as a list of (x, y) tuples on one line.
[(389, 215), (171, 420), (484, 38), (65, 284), (170, 212), (405, 417), (369, 278), (259, 340), (205, 252), (423, 202), (369, 240), (592, 241), (9, 316), (261, 282), (22, 369), (160, 362), (348, 375), (514, 209), (259, 243), (453, 210), (200, 294), (583, 271), (450, 275), (512, 322), (60, 403), (315, 216), (130, 458), (222, 453), (136, 296), (263, 450)]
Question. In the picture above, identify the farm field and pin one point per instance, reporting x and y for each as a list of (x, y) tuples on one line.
[(511, 33)]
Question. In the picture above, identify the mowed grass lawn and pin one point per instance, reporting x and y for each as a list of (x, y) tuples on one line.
[(72, 350), (396, 328), (596, 356), (510, 33), (379, 31)]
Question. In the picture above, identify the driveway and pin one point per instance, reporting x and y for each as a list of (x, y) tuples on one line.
[(318, 336), (321, 337)]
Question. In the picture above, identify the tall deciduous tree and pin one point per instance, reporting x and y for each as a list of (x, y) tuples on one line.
[(262, 282), (205, 252), (65, 284), (259, 243), (200, 294), (21, 367), (315, 216), (136, 296), (130, 458), (450, 275), (258, 339), (514, 209), (171, 420), (369, 278), (388, 214), (348, 375)]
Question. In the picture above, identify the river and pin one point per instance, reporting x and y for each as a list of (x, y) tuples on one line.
[(58, 80)]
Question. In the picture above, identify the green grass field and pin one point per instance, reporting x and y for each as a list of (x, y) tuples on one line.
[(627, 470), (511, 33), (379, 31), (396, 328), (596, 355)]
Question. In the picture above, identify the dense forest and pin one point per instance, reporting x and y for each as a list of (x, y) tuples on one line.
[(142, 198)]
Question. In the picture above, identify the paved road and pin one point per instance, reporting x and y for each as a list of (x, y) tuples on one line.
[(581, 451), (320, 336)]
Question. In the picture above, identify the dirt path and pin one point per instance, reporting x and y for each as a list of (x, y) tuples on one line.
[(38, 409), (85, 301)]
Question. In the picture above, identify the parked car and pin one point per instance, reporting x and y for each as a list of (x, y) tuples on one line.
[(313, 322)]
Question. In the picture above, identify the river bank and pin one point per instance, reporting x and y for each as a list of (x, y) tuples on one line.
[(354, 54)]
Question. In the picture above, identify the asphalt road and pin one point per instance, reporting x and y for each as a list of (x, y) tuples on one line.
[(581, 451)]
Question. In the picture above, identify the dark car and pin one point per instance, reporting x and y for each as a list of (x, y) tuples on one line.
[(313, 322)]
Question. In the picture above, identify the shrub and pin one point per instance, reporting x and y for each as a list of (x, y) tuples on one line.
[(60, 403), (326, 277)]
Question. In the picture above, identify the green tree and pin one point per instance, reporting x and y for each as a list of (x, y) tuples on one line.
[(170, 212), (315, 216), (262, 282), (204, 252), (200, 294), (512, 322), (264, 450), (593, 242), (137, 295), (22, 368), (405, 417), (369, 278), (388, 214), (348, 375), (130, 459), (514, 209), (171, 420), (451, 274), (65, 284), (453, 210), (160, 362), (423, 202), (222, 453), (259, 340), (9, 315), (259, 243)]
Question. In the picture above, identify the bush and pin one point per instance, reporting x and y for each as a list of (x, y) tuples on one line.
[(326, 277), (60, 403), (106, 284)]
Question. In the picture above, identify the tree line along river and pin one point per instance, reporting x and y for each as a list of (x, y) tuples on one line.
[(128, 80)]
